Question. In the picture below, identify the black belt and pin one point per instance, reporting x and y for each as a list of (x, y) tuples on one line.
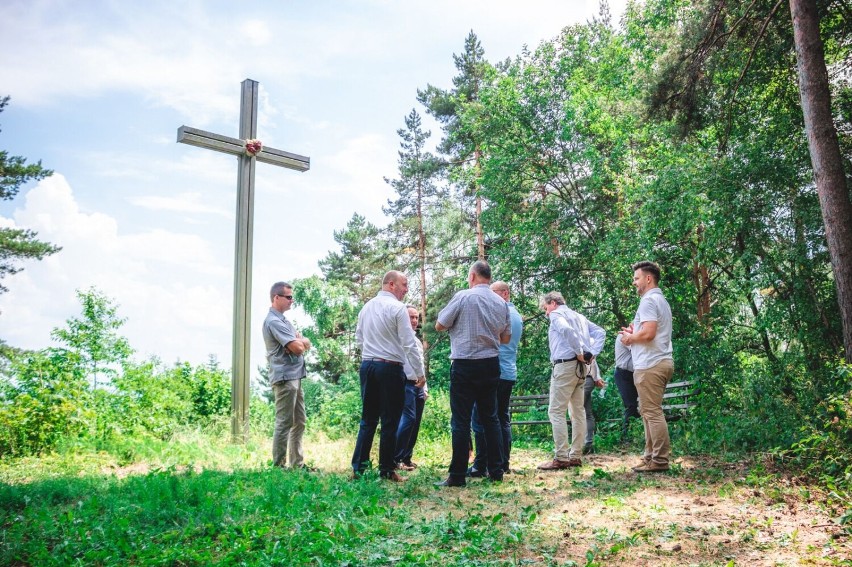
[(382, 360), (561, 360)]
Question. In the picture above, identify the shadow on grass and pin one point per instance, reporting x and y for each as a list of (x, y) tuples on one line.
[(253, 516)]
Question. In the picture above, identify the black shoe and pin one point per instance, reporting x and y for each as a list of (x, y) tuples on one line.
[(450, 482), (473, 472), (588, 449), (495, 477)]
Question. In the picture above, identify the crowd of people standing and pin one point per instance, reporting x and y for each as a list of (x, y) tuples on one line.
[(484, 329)]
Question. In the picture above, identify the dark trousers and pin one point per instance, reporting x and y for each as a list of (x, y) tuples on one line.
[(475, 382), (628, 393), (382, 398), (409, 424), (504, 393), (588, 388)]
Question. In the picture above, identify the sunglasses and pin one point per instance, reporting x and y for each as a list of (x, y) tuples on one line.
[(290, 297)]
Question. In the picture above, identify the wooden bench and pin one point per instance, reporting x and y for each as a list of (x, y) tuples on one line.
[(676, 401)]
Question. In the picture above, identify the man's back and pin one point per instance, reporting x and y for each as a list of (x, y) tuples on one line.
[(475, 318)]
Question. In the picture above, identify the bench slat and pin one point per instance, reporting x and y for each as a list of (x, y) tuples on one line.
[(678, 406), (679, 394), (539, 402)]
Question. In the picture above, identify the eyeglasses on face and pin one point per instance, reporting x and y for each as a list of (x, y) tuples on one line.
[(290, 297)]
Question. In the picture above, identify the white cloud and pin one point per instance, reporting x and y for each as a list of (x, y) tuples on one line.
[(172, 287), (185, 202)]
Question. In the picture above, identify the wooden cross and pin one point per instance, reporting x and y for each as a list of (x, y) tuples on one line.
[(245, 222)]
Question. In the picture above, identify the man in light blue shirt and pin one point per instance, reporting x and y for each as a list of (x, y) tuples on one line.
[(508, 376)]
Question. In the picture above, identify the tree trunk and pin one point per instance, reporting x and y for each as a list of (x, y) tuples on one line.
[(825, 155), (421, 244), (480, 238)]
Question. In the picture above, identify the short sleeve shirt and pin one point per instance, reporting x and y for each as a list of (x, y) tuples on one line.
[(653, 307), (277, 333), (509, 351), (475, 319)]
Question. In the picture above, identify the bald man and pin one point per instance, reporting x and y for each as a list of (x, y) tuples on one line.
[(387, 341)]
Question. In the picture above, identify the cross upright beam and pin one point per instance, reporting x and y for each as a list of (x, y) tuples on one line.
[(240, 370)]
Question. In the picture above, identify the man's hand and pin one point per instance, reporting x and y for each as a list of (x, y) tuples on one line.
[(599, 383), (420, 382)]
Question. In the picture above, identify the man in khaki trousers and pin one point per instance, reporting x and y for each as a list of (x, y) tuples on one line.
[(650, 340), (571, 351)]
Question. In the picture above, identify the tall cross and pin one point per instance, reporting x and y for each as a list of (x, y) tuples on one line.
[(248, 151)]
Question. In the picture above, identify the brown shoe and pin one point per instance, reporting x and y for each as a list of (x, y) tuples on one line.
[(392, 476), (556, 465), (404, 467), (652, 467), (641, 464)]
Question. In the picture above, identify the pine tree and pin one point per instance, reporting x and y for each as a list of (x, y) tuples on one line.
[(463, 149), (416, 191), (18, 243)]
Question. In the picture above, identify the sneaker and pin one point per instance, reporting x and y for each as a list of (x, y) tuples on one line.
[(556, 465)]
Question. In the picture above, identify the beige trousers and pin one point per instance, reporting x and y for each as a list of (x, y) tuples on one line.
[(566, 393), (651, 385), (289, 423)]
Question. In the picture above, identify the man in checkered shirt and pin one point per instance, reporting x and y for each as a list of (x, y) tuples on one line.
[(477, 320)]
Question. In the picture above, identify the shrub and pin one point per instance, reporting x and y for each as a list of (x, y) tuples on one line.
[(46, 399)]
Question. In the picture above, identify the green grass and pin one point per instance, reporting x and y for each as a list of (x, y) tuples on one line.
[(199, 500)]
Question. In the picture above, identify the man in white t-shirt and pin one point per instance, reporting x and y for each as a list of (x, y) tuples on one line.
[(650, 340)]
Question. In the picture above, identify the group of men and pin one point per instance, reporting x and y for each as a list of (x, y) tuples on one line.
[(484, 329)]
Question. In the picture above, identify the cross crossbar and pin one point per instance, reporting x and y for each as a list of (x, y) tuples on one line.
[(235, 146)]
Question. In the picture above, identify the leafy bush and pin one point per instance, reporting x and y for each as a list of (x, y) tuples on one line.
[(44, 399), (824, 450)]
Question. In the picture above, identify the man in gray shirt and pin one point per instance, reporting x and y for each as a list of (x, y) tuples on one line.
[(285, 348), (478, 323), (650, 340)]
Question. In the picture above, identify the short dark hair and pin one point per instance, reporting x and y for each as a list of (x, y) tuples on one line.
[(278, 289), (481, 269), (648, 268)]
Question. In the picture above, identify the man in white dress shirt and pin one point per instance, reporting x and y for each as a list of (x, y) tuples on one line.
[(386, 340), (571, 351)]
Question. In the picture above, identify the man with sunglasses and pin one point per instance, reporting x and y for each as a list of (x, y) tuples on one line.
[(285, 349)]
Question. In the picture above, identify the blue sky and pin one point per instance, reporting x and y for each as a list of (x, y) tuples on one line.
[(99, 89)]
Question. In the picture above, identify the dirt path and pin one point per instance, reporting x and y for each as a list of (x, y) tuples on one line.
[(701, 513)]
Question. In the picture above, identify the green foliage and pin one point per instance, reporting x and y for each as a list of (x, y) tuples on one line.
[(824, 448), (335, 313), (53, 395), (43, 399), (18, 243), (94, 338)]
